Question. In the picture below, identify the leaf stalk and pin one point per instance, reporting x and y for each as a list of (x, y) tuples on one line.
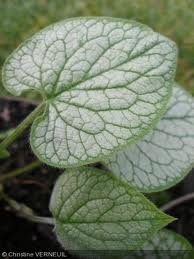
[(20, 171), (25, 212), (21, 127)]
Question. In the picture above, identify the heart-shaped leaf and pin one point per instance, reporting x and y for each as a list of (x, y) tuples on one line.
[(95, 211), (166, 155), (105, 81)]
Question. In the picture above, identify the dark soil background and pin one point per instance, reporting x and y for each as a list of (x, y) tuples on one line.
[(34, 190)]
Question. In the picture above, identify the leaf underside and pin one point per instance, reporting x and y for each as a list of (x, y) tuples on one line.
[(105, 81), (165, 155), (94, 211)]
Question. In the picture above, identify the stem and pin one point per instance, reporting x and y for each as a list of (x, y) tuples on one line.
[(21, 127), (178, 201), (20, 171), (38, 219), (25, 212)]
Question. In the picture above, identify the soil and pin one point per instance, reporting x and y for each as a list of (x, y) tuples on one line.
[(34, 190)]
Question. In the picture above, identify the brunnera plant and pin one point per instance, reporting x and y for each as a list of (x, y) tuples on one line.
[(108, 96)]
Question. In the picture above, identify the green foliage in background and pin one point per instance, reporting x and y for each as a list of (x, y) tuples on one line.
[(175, 18)]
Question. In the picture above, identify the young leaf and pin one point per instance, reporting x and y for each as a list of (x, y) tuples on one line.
[(164, 156), (95, 211), (105, 81), (166, 244)]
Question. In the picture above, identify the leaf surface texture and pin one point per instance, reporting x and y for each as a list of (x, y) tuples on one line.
[(94, 211), (165, 155), (105, 81)]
